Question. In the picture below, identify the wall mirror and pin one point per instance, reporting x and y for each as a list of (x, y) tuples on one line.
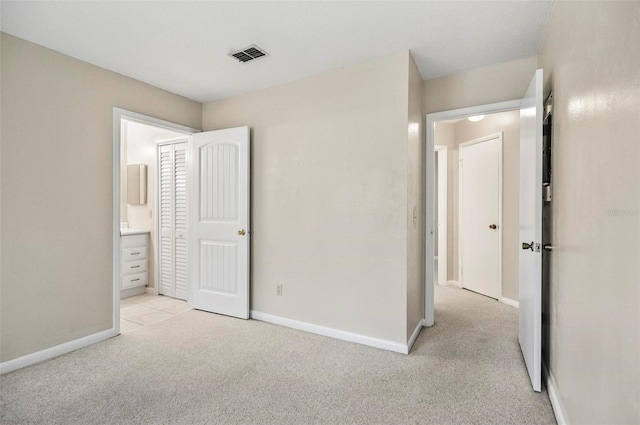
[(136, 184)]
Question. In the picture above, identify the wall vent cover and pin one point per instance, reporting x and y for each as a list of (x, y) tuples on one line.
[(248, 54)]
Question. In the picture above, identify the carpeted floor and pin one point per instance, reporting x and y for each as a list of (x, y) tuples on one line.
[(200, 368)]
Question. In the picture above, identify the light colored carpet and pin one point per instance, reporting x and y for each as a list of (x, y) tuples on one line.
[(200, 368)]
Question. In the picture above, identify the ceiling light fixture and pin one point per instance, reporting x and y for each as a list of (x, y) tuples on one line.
[(475, 118)]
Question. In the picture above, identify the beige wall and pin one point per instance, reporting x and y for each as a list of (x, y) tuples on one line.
[(329, 196), (141, 148), (464, 131), (416, 201), (56, 229), (591, 58), (491, 84)]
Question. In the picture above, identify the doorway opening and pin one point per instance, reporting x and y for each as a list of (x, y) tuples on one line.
[(441, 131), (137, 208)]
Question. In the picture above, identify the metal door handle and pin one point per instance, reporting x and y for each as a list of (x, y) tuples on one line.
[(527, 245), (242, 232), (547, 247), (493, 227)]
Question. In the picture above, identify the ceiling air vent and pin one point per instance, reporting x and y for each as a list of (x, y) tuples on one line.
[(248, 54)]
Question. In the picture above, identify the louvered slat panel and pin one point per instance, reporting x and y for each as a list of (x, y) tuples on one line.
[(166, 263), (181, 269), (166, 266), (166, 192), (173, 219), (180, 189), (180, 220)]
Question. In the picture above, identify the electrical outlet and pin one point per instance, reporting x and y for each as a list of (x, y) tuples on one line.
[(279, 289)]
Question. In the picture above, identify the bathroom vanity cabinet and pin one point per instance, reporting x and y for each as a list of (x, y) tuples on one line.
[(134, 260)]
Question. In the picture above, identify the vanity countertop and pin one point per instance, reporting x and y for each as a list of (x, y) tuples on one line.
[(127, 231)]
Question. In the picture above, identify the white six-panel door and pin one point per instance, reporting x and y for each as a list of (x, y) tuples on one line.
[(480, 214), (219, 221), (530, 264), (173, 219)]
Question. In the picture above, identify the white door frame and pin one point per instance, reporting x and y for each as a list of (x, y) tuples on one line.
[(118, 115), (430, 186), (442, 228), (460, 207)]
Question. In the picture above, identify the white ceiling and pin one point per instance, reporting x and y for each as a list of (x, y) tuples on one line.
[(182, 46)]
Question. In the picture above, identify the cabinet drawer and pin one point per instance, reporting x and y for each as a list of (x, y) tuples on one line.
[(133, 267), (133, 280), (130, 241), (134, 254)]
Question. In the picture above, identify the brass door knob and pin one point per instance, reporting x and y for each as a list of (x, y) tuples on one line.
[(493, 227), (527, 245), (242, 232)]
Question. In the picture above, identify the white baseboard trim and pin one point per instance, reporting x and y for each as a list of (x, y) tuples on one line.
[(152, 291), (331, 332), (130, 292), (58, 350), (552, 391), (509, 301), (415, 334), (454, 283)]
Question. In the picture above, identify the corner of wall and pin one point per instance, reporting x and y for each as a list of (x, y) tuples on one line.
[(354, 210), (416, 197)]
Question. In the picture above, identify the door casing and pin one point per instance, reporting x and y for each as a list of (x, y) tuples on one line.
[(431, 119), (118, 115)]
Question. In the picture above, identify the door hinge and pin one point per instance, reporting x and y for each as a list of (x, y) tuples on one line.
[(548, 107), (546, 192)]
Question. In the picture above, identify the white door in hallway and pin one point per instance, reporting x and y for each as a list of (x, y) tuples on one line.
[(480, 214), (530, 264), (219, 222)]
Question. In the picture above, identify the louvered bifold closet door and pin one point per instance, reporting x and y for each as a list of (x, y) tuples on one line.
[(166, 260), (180, 220), (172, 163)]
